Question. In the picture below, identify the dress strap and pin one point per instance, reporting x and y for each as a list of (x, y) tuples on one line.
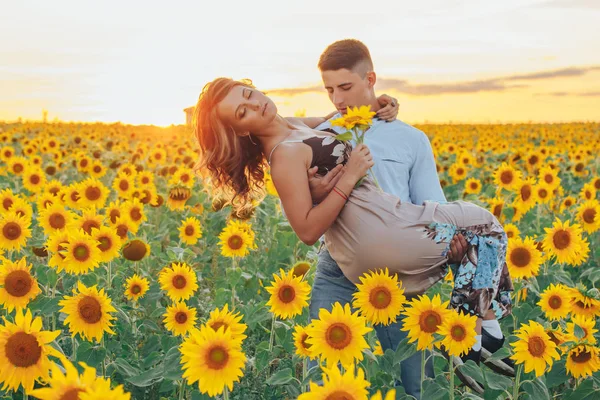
[(283, 141)]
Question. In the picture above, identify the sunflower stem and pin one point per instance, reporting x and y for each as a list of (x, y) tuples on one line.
[(104, 359), (25, 395), (74, 351), (451, 368), (304, 372), (226, 393), (233, 264), (272, 330), (517, 383), (109, 279), (422, 370), (182, 389)]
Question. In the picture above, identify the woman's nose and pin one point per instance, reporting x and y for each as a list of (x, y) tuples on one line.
[(255, 105)]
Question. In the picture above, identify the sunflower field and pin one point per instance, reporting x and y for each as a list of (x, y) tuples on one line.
[(122, 275)]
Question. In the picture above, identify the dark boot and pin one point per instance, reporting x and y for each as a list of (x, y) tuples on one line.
[(490, 345)]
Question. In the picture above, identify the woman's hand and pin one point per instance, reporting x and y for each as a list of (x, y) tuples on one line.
[(390, 108), (359, 162)]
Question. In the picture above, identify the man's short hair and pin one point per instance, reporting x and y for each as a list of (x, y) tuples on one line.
[(350, 54)]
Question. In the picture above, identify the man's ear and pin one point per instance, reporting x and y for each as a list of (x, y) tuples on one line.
[(371, 78)]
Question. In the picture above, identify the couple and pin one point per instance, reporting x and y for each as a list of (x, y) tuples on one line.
[(409, 228)]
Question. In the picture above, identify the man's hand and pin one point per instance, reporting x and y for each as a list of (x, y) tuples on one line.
[(458, 249), (390, 107), (320, 186)]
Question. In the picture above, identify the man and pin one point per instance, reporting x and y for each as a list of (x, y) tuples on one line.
[(404, 166)]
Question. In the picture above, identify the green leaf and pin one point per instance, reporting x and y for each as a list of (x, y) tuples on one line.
[(473, 370), (501, 354), (147, 378), (585, 391), (281, 377), (433, 390), (125, 368), (579, 332), (404, 351), (172, 366), (557, 375), (536, 389), (91, 355), (344, 136)]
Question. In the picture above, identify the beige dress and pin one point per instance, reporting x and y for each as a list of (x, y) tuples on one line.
[(376, 230)]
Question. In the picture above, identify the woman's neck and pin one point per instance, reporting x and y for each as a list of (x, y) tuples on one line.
[(277, 131)]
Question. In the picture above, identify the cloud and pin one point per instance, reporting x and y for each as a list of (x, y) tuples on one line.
[(562, 94), (499, 84)]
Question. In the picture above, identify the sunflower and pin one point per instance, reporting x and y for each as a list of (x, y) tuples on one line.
[(457, 172), (390, 395), (124, 185), (289, 295), (183, 176), (588, 214), (583, 304), (228, 319), (34, 179), (17, 286), (567, 203), (534, 348), (109, 243), (67, 385), (512, 231), (526, 194), (81, 253), (303, 349), (145, 179), (135, 210), (14, 231), (88, 312), (507, 177), (587, 326), (70, 195), (563, 241), (93, 193), (55, 217), (495, 206), (543, 193), (84, 163), (179, 318), (24, 351), (301, 268), (136, 250), (349, 385), (97, 170), (549, 176), (588, 192), (424, 317), (22, 208), (178, 196), (7, 198), (379, 297), (190, 231), (102, 391), (555, 302), (246, 227), (17, 165), (113, 211), (472, 186), (583, 361), (179, 280), (458, 330), (523, 258), (338, 335), (378, 350), (214, 359), (123, 225), (136, 287), (56, 245), (355, 116), (89, 219), (234, 242)]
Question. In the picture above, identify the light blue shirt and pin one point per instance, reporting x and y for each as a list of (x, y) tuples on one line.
[(404, 162)]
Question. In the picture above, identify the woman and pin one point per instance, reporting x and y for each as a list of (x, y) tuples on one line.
[(237, 127)]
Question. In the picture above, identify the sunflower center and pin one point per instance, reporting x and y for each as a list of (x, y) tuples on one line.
[(579, 167), (497, 210), (543, 193), (520, 257), (338, 336), (568, 203), (11, 231), (300, 269), (217, 357), (549, 178), (114, 214), (74, 196), (589, 216), (303, 341), (533, 160), (124, 185), (235, 242), (582, 357), (122, 230), (71, 394), (525, 192), (136, 289), (460, 171), (6, 203), (181, 317), (90, 310), (555, 302), (287, 294), (561, 239), (340, 395), (35, 179), (429, 321), (217, 324), (474, 185), (57, 221), (88, 225), (536, 346), (93, 193), (179, 281), (135, 214), (506, 177), (105, 243), (458, 333), (81, 252), (380, 297), (18, 168), (189, 230), (554, 338), (18, 283), (510, 234), (22, 350)]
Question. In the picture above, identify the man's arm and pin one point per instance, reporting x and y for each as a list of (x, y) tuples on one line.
[(424, 183)]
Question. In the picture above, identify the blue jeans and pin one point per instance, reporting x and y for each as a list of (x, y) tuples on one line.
[(330, 286)]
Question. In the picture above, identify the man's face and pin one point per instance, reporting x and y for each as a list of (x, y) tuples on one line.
[(347, 88)]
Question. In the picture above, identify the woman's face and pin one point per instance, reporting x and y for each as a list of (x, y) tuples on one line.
[(247, 109)]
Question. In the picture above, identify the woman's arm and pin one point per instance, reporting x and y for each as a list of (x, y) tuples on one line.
[(288, 170)]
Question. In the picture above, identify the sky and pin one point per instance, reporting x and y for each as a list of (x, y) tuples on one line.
[(142, 62)]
